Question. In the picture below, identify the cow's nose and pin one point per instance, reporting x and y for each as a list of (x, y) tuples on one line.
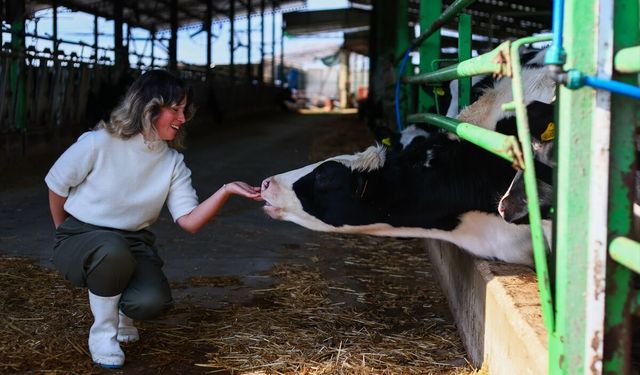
[(501, 207), (266, 183)]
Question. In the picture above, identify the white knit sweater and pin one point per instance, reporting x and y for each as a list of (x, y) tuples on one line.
[(121, 183)]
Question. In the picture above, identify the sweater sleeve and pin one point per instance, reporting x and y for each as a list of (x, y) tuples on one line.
[(182, 197), (73, 166)]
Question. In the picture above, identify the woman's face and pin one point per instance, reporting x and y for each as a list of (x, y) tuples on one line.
[(170, 120)]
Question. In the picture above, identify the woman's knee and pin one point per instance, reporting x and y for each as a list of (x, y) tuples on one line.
[(113, 253), (146, 305), (110, 266)]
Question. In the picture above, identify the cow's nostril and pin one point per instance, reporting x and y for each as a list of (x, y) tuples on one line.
[(265, 184)]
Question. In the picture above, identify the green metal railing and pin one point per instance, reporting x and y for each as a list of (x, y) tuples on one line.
[(531, 186), (488, 63), (505, 146), (593, 185)]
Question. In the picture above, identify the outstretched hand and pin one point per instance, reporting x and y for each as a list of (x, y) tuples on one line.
[(243, 189)]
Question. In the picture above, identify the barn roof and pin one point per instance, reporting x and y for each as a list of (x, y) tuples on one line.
[(496, 19), (156, 15)]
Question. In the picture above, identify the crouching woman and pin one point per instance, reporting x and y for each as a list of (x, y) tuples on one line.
[(105, 191)]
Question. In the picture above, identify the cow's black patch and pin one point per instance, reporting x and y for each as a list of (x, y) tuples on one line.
[(404, 192)]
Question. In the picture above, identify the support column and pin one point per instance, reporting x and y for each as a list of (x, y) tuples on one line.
[(402, 40), (344, 79), (429, 51), (54, 7), (582, 179), (207, 26), (464, 53), (17, 74), (153, 47), (249, 73), (173, 41), (121, 57), (625, 117), (273, 42), (232, 30), (261, 68), (95, 39), (281, 70)]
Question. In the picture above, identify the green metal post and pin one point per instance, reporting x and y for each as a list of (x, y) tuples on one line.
[(464, 53), (429, 49), (581, 210), (537, 236), (449, 13), (625, 118)]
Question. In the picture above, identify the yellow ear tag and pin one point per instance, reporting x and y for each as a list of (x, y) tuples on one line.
[(549, 133), (387, 142), (439, 91)]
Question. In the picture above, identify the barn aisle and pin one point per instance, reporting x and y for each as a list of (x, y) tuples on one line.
[(253, 295)]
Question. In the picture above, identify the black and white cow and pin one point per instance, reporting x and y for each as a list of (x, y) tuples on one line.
[(434, 187), (396, 194), (513, 204)]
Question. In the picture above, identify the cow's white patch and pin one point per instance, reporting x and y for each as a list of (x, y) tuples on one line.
[(481, 234), (487, 110), (453, 110), (368, 160), (410, 133)]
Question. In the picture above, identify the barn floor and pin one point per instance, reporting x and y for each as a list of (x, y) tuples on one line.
[(253, 295)]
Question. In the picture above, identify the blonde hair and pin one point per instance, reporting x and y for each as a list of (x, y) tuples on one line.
[(141, 106)]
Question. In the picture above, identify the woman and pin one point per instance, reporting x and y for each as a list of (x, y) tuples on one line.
[(107, 188)]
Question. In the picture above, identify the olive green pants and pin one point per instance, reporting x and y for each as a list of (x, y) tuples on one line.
[(111, 262)]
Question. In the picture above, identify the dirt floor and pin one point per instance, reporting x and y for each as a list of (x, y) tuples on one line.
[(253, 295)]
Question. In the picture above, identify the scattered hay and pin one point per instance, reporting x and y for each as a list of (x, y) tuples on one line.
[(207, 281), (378, 312)]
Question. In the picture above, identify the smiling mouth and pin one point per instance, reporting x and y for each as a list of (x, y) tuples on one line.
[(176, 127)]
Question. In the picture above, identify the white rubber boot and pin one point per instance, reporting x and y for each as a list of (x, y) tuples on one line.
[(126, 331), (104, 348)]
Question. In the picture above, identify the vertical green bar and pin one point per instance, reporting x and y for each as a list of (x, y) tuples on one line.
[(581, 190), (625, 117), (429, 51), (464, 53), (401, 44)]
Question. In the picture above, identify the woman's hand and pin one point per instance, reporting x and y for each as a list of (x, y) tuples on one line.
[(243, 189)]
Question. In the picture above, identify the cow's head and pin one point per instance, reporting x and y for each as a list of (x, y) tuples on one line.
[(327, 194), (513, 206)]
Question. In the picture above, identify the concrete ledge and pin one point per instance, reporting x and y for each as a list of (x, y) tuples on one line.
[(496, 308)]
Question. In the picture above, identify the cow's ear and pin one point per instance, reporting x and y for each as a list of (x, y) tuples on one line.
[(416, 151), (331, 175)]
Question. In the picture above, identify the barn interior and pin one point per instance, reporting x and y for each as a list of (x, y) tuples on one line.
[(253, 295)]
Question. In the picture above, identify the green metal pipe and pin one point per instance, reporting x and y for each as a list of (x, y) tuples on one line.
[(494, 62), (628, 60), (448, 14), (531, 186), (505, 146), (429, 52), (626, 252)]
